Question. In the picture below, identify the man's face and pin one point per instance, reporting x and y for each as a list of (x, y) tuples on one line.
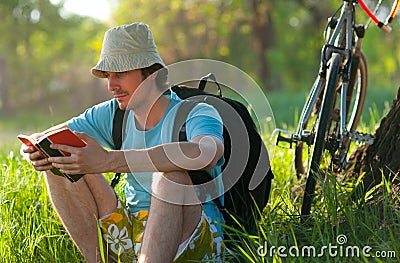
[(123, 85)]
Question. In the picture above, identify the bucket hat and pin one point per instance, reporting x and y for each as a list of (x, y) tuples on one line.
[(125, 48)]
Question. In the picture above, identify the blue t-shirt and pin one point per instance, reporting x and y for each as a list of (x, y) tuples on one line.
[(97, 122)]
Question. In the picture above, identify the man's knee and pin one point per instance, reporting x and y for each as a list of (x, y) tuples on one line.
[(57, 182), (62, 191), (174, 187), (179, 177)]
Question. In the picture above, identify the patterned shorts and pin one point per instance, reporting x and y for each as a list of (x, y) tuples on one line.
[(123, 233)]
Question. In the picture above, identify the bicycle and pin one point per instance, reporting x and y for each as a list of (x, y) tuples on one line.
[(333, 108)]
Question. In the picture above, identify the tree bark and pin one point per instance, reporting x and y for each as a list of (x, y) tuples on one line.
[(382, 158)]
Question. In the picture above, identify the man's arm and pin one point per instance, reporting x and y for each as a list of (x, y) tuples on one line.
[(203, 152)]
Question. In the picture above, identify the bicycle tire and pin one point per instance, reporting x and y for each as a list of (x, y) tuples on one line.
[(321, 134), (358, 83), (355, 114)]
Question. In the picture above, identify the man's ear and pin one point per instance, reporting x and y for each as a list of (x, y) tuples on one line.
[(153, 76)]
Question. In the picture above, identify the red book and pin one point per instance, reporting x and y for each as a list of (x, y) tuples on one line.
[(62, 136)]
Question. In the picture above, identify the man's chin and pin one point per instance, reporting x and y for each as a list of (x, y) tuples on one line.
[(122, 106)]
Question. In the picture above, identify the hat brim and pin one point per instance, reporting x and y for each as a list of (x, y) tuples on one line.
[(125, 62)]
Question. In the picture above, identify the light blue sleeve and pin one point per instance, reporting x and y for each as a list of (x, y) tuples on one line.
[(204, 119), (96, 122)]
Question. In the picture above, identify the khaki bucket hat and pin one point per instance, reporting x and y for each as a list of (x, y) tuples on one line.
[(125, 48)]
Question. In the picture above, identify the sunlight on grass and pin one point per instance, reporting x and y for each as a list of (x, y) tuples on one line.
[(31, 232)]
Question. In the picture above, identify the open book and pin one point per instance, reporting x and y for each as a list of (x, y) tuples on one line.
[(61, 136)]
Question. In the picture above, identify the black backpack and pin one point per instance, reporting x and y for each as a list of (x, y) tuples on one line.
[(246, 168)]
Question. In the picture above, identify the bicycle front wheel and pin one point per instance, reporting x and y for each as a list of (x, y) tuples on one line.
[(321, 132), (355, 100)]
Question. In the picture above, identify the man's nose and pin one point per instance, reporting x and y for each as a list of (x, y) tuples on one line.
[(112, 84)]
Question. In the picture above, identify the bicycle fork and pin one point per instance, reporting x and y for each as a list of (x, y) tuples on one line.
[(302, 135)]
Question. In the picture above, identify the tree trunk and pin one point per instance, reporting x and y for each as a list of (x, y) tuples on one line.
[(5, 107), (382, 158), (263, 35)]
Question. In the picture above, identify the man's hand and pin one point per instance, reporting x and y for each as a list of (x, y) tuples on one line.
[(35, 157), (83, 160)]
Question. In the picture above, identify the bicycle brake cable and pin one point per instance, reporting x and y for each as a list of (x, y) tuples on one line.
[(328, 24)]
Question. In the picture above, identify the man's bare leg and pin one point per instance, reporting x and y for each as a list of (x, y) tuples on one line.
[(79, 205), (169, 224)]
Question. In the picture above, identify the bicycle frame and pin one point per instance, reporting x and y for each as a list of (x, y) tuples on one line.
[(342, 33), (343, 68), (344, 42)]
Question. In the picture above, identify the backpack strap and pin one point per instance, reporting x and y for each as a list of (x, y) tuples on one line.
[(117, 135), (203, 83), (179, 129), (198, 177)]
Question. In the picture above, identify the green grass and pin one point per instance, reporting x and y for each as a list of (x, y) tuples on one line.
[(31, 232), (29, 229)]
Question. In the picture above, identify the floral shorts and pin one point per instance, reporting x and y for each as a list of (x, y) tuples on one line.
[(123, 233)]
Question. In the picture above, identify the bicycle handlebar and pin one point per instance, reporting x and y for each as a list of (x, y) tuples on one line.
[(383, 25), (385, 28)]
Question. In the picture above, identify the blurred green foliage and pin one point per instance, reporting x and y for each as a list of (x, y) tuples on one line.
[(45, 56)]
